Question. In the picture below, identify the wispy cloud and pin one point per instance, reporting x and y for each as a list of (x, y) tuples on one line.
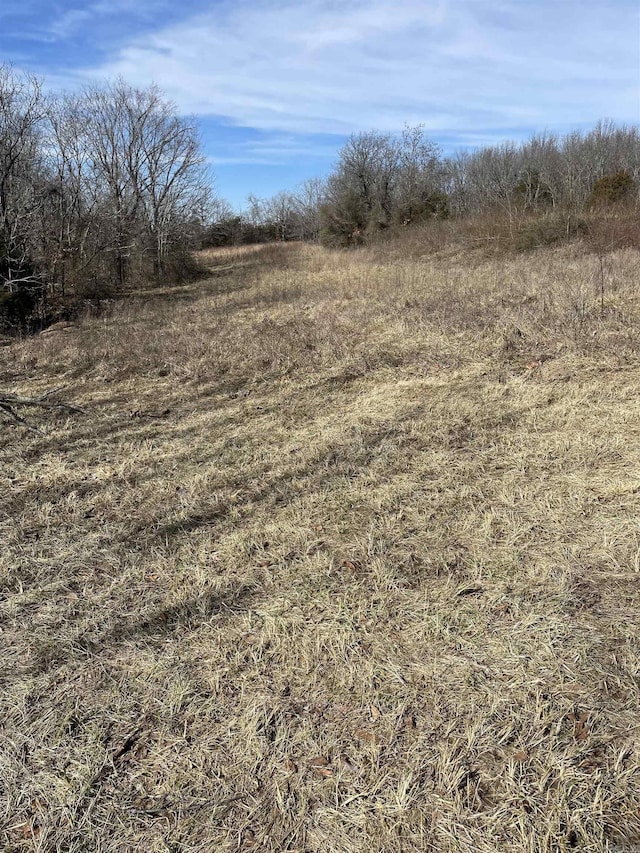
[(277, 84), (274, 149), (106, 23), (459, 65), (73, 19)]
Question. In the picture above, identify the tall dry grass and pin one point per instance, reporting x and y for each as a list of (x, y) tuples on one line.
[(343, 556)]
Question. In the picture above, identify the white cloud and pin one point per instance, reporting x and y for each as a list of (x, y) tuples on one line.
[(41, 22), (456, 65), (273, 149)]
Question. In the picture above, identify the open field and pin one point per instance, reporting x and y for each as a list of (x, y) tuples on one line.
[(343, 556)]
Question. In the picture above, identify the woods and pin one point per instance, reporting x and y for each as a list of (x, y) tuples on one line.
[(381, 180), (109, 188), (97, 190)]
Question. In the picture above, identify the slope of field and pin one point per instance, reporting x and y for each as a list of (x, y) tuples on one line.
[(343, 555)]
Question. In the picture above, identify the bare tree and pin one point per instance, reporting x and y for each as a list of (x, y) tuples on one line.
[(420, 179), (380, 180), (308, 200), (275, 215), (149, 172), (22, 113), (168, 170), (544, 172), (360, 191), (94, 188)]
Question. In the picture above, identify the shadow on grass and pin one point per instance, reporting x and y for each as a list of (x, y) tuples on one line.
[(156, 625), (332, 463)]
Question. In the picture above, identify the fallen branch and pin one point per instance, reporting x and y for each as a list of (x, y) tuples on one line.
[(9, 403), (15, 417)]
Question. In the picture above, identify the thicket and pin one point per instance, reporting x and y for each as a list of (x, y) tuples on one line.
[(283, 217), (98, 191), (537, 190), (547, 172)]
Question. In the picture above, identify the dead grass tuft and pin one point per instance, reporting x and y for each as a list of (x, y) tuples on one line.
[(343, 556)]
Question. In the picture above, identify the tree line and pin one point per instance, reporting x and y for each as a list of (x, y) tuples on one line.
[(381, 180), (109, 187), (97, 190)]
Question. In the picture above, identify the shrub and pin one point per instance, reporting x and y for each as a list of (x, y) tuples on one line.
[(611, 190), (559, 227), (17, 307)]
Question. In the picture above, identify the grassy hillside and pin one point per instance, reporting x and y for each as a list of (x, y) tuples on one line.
[(342, 556)]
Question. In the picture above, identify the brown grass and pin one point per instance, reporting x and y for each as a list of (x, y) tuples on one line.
[(343, 557), (495, 235)]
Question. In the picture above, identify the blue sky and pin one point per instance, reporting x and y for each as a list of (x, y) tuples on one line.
[(279, 84)]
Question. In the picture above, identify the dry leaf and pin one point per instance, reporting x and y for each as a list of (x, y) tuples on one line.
[(580, 728), (23, 830), (376, 713), (323, 772), (249, 839), (352, 565), (521, 755), (291, 766), (367, 737), (318, 761), (27, 832)]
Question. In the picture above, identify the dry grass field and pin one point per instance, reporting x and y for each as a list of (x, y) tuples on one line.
[(343, 555)]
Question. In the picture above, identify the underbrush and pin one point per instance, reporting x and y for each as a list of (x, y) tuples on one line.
[(31, 309), (498, 235)]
